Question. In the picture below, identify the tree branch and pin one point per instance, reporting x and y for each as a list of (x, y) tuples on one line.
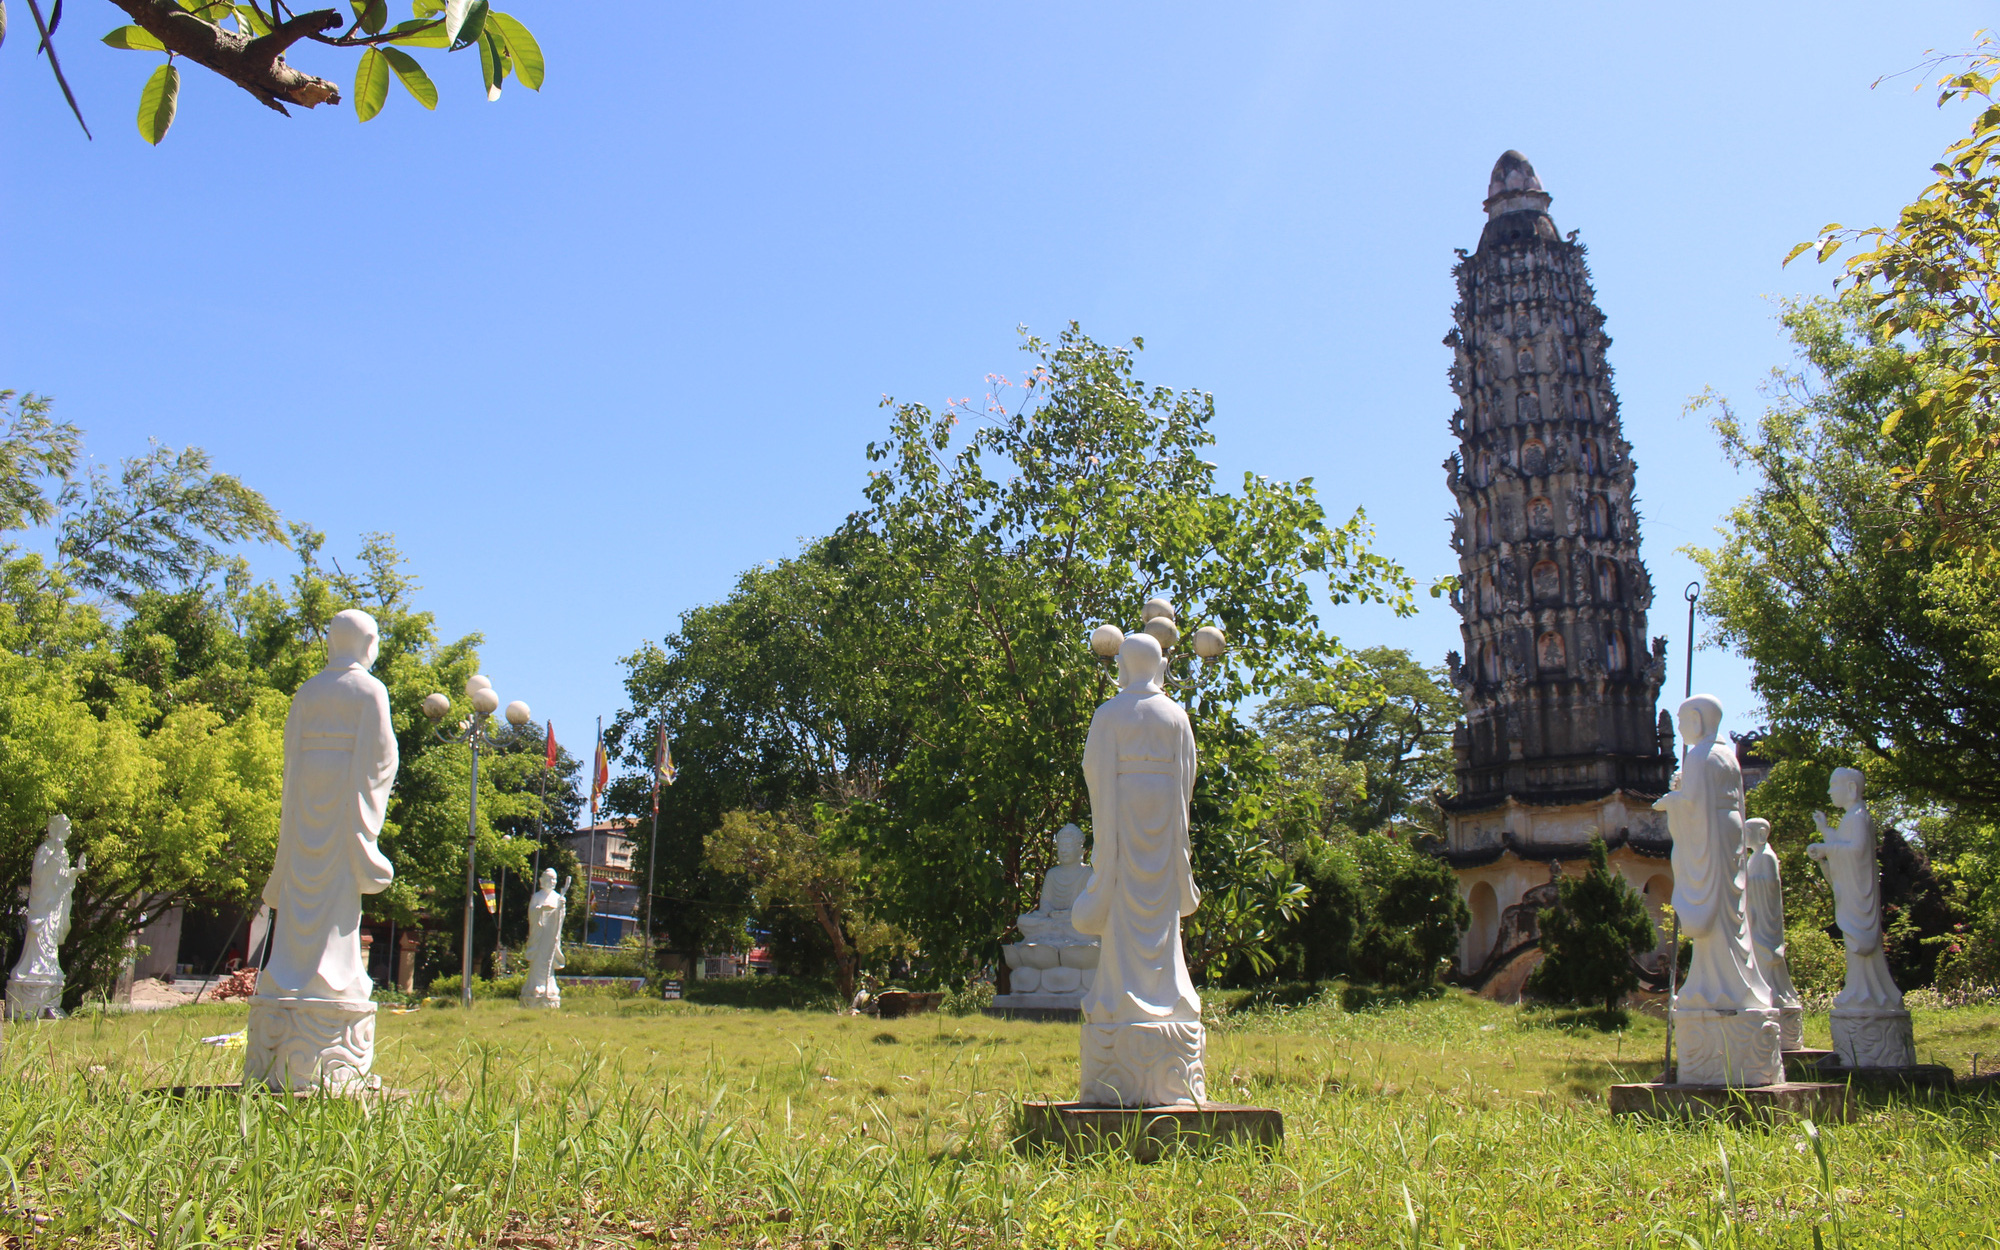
[(256, 65)]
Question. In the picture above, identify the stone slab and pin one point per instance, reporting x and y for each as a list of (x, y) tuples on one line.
[(1149, 1133), (1913, 1076), (1821, 1102), (1066, 1007)]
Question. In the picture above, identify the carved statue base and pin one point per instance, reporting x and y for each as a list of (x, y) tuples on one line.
[(1873, 1037), (1791, 1028), (546, 996), (1721, 1047), (34, 998), (1153, 1064), (307, 1044)]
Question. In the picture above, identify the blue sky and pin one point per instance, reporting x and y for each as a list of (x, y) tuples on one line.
[(592, 352)]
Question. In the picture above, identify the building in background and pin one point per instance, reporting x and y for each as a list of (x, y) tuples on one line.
[(605, 852), (1559, 681)]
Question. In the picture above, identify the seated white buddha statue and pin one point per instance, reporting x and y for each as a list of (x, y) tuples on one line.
[(1049, 923)]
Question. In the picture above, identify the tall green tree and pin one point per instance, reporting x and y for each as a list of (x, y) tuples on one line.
[(1369, 742), (1590, 937), (996, 539)]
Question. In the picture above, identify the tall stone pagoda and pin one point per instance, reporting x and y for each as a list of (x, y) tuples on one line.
[(1559, 740)]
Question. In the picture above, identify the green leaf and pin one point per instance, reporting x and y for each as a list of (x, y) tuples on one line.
[(521, 48), (372, 14), (464, 21), (413, 77), (158, 101), (371, 84), (492, 63), (251, 22), (427, 8), (134, 39), (427, 33)]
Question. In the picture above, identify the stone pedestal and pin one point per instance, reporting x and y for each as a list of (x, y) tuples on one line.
[(548, 996), (1873, 1037), (1152, 1064), (1731, 1048), (1149, 1132), (1791, 1028), (302, 1044), (34, 998), (1822, 1103)]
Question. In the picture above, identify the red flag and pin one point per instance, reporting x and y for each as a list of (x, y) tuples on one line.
[(549, 755)]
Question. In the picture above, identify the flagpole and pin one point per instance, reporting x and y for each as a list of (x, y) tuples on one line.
[(542, 812), (597, 769), (653, 850)]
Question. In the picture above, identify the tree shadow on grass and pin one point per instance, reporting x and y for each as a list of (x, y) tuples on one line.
[(1359, 998)]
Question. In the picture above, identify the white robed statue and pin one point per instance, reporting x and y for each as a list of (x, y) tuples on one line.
[(34, 991), (1764, 899), (1723, 1008), (1142, 1035), (312, 1023), (1871, 1027), (544, 954)]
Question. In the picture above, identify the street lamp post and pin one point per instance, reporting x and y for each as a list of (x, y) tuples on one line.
[(472, 732)]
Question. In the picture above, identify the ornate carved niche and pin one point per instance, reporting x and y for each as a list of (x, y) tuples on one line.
[(1598, 517), (1547, 581), (1550, 655), (1607, 582), (1489, 662), (1541, 516), (1482, 527), (1586, 449), (1489, 597), (1528, 406), (1616, 654), (1482, 468), (1524, 358), (1534, 458)]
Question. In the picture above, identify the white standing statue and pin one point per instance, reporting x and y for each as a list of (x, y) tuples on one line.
[(1764, 898), (1871, 1027), (1143, 1042), (1725, 1024), (1053, 964), (34, 992), (544, 954), (312, 1024)]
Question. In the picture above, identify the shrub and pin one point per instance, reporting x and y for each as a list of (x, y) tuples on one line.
[(769, 993), (1416, 922), (1324, 932), (1818, 963), (1589, 938)]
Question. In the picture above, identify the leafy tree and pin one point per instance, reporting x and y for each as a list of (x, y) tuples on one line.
[(1590, 936), (1859, 643), (770, 699), (994, 552), (790, 861), (1370, 741), (247, 44), (1935, 277), (1415, 915)]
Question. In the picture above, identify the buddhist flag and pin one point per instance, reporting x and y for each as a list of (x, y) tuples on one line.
[(600, 774), (487, 892), (663, 767), (549, 752)]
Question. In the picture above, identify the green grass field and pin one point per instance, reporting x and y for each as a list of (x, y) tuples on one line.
[(1442, 1124)]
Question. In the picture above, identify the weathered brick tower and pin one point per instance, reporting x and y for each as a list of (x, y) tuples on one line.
[(1559, 740)]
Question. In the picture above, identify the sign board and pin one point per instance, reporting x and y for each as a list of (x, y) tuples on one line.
[(670, 989)]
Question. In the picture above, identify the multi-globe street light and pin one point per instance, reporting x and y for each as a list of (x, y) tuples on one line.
[(472, 732)]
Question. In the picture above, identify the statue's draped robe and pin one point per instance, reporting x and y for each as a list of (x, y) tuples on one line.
[(1139, 765), (544, 953), (49, 888), (1855, 873), (1705, 815), (1764, 899), (340, 761)]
